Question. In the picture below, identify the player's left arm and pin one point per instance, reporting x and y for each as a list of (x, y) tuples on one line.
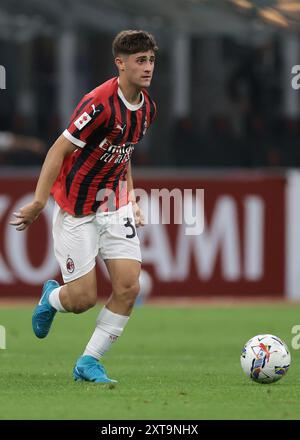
[(138, 214)]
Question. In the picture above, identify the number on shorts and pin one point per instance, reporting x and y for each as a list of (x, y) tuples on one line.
[(129, 224)]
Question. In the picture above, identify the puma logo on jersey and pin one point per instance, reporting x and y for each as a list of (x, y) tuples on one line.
[(94, 109), (121, 128)]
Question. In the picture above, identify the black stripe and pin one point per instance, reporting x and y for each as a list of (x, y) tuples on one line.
[(103, 183), (120, 136), (133, 122), (97, 135), (144, 114), (81, 108), (152, 110)]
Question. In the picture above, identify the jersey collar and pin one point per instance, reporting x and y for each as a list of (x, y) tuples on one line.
[(132, 107)]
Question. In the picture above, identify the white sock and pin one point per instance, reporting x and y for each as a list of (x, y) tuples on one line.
[(109, 327), (55, 301)]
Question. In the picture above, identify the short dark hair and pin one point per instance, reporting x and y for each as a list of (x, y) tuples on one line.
[(133, 41)]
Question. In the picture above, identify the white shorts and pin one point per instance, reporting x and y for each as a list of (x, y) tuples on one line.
[(78, 240)]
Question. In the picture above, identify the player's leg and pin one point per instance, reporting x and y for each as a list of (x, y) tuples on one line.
[(76, 296), (75, 246), (111, 321), (120, 249), (124, 276)]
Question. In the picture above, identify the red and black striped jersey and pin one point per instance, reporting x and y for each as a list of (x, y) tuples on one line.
[(105, 127)]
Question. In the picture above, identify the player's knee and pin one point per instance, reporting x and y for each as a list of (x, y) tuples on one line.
[(128, 292)]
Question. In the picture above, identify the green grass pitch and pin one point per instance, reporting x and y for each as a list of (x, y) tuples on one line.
[(171, 363)]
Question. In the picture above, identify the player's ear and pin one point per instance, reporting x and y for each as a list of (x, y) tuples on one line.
[(119, 61)]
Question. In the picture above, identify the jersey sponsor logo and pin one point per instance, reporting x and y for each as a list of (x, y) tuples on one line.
[(115, 153), (70, 265), (104, 143), (82, 120)]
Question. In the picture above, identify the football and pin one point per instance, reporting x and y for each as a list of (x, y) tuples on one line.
[(265, 358)]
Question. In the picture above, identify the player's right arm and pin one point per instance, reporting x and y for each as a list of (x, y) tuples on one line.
[(50, 170)]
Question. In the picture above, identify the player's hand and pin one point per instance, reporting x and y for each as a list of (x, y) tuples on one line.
[(138, 215), (26, 215)]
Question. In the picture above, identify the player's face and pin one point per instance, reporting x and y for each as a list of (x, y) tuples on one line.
[(138, 68)]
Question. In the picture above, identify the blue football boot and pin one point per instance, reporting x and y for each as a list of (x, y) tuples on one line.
[(89, 369), (44, 313)]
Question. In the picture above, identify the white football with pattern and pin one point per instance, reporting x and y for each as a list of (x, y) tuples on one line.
[(265, 358)]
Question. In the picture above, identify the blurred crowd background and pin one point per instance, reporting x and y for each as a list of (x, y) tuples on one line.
[(222, 81)]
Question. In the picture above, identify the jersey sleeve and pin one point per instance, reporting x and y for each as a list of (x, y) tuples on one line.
[(88, 117)]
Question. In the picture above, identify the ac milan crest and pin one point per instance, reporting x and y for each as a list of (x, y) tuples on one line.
[(70, 265)]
